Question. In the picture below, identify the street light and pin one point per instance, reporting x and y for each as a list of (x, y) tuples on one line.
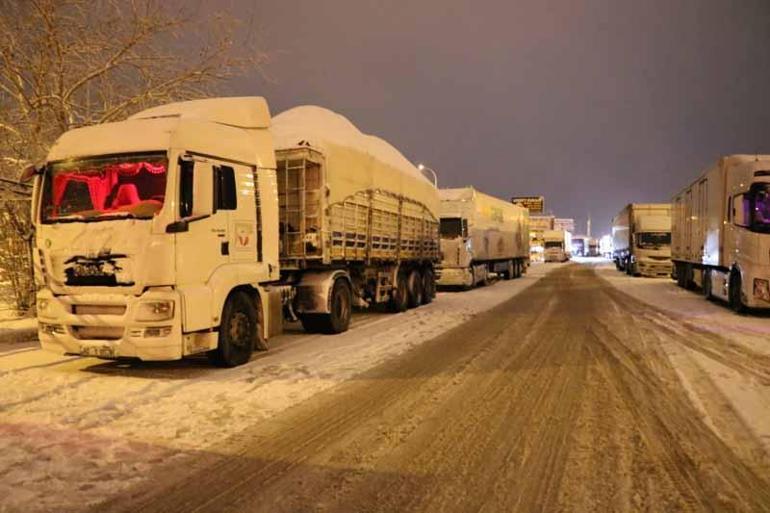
[(423, 168)]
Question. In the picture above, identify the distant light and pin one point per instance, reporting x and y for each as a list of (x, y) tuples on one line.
[(420, 167)]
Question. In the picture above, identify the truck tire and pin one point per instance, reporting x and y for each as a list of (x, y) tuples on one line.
[(706, 289), (415, 289), (428, 286), (681, 275), (341, 306), (238, 332), (734, 293), (510, 271), (399, 296)]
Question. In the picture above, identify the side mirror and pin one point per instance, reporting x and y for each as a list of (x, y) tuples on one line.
[(740, 210), (464, 228), (203, 190), (29, 172), (196, 189)]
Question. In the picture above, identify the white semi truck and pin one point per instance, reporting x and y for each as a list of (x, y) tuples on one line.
[(557, 245), (198, 226), (481, 235), (641, 239), (721, 232)]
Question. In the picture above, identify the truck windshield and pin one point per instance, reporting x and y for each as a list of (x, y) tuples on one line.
[(654, 239), (101, 188), (451, 227), (554, 244), (759, 199)]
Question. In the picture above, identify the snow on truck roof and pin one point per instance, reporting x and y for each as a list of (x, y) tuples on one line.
[(237, 111), (320, 127)]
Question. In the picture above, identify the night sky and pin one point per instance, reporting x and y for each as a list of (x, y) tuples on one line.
[(592, 104)]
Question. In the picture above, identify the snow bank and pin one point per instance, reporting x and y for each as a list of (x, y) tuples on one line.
[(321, 127), (79, 427)]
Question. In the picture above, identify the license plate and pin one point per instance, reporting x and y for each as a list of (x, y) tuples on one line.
[(101, 351)]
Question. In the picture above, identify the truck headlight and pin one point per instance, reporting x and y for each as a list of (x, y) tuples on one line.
[(155, 311), (762, 289), (42, 306)]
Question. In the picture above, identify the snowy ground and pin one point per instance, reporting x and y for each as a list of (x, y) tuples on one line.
[(74, 431), (711, 367)]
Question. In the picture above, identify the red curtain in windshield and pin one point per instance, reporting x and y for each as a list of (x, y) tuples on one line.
[(100, 184)]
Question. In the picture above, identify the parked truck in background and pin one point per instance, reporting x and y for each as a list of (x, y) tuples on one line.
[(641, 239), (721, 232), (197, 226), (593, 247), (481, 235), (557, 245), (579, 246)]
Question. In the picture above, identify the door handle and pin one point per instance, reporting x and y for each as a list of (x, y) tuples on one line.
[(225, 248)]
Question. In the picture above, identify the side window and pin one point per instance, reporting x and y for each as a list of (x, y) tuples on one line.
[(185, 188), (224, 187)]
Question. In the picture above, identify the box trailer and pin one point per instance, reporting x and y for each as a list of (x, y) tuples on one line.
[(481, 235), (641, 239), (721, 232), (557, 245), (197, 227)]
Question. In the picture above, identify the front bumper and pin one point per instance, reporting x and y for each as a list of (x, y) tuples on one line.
[(455, 277), (109, 329), (654, 268)]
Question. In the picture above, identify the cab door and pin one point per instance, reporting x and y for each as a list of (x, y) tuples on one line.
[(202, 244)]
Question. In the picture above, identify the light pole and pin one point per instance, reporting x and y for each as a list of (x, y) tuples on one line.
[(423, 168)]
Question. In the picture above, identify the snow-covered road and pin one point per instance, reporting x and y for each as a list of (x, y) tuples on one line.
[(74, 431)]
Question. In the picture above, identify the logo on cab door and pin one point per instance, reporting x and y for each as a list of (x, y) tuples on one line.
[(244, 236)]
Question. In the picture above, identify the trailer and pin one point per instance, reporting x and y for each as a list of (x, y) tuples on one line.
[(557, 245), (197, 227), (481, 235), (641, 239), (721, 232)]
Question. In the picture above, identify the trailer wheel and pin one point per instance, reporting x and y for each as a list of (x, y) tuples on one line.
[(735, 300), (399, 297), (415, 289), (341, 306), (428, 286), (238, 332), (518, 269), (510, 270), (706, 284)]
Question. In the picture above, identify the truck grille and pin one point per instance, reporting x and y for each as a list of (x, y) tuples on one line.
[(97, 332), (99, 309)]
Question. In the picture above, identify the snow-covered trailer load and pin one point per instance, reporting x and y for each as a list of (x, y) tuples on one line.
[(182, 230), (721, 232), (641, 239), (480, 235), (557, 245)]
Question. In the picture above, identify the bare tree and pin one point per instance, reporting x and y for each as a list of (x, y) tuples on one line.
[(67, 63)]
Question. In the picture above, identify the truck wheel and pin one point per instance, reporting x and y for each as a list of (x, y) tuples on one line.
[(399, 296), (338, 320), (428, 286), (707, 284), (681, 278), (238, 332), (736, 303), (415, 289), (510, 270)]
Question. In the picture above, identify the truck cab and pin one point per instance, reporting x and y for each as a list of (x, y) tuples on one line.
[(556, 246), (147, 229), (652, 247)]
